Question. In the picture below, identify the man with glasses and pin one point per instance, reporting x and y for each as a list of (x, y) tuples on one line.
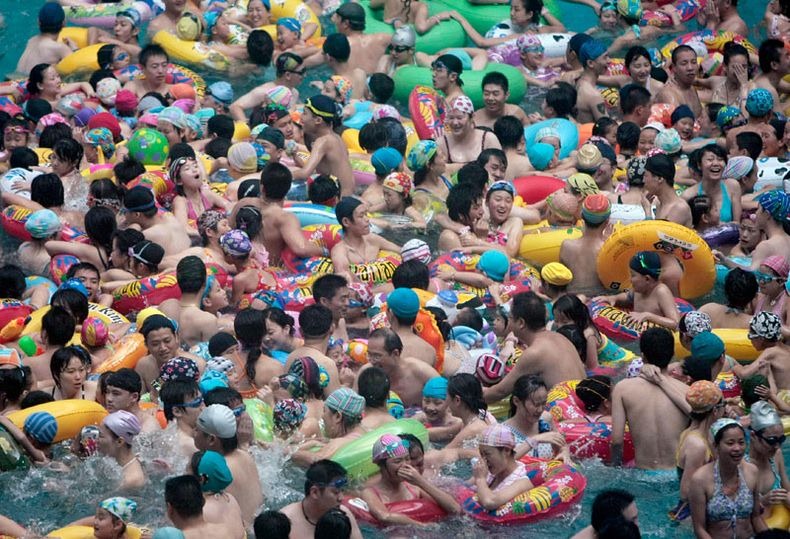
[(289, 69), (324, 484)]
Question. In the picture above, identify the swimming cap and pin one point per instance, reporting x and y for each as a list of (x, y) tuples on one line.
[(489, 369), (707, 346), (220, 343), (42, 224), (682, 111), (41, 426), (564, 205), (721, 424), (179, 367), (404, 37), (697, 322), (494, 264), (776, 203), (289, 414), (236, 243), (403, 302), (385, 160), (415, 249), (94, 331), (596, 209), (662, 166), (189, 27), (575, 43), (149, 146), (172, 115), (462, 104), (646, 263), (131, 15), (502, 185), (763, 415), (282, 96), (322, 106), (589, 157), (738, 167), (702, 396), (420, 155), (217, 420), (630, 9), (70, 104), (435, 388), (346, 402), (389, 446), (345, 208), (211, 380), (778, 264), (529, 43), (400, 182), (101, 138), (395, 406), (337, 46), (591, 50), (274, 136), (213, 466), (343, 86), (51, 17), (221, 91), (547, 132), (242, 157), (122, 508), (351, 12), (556, 273), (107, 89), (9, 356), (583, 183), (765, 325), (498, 436), (759, 102), (124, 425), (386, 111), (726, 115), (540, 155), (669, 141), (635, 172)]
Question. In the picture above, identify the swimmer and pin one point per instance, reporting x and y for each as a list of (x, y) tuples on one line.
[(574, 253), (116, 434), (442, 425), (220, 506), (680, 87), (374, 386), (182, 403), (289, 73), (154, 61), (45, 47), (496, 92), (161, 228), (366, 49), (316, 323), (403, 309)]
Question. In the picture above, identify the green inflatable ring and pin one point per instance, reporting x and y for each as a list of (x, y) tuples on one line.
[(262, 419), (483, 16), (407, 77), (12, 457), (445, 34), (356, 456)]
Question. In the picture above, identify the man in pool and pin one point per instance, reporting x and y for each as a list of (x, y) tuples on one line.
[(366, 49), (407, 375), (182, 403), (655, 422), (403, 304), (45, 47), (168, 20), (765, 334), (154, 60), (163, 229), (659, 181), (324, 484), (122, 392), (316, 324), (594, 60), (680, 89), (184, 499), (774, 64), (496, 92), (575, 253), (446, 70), (548, 354), (289, 71)]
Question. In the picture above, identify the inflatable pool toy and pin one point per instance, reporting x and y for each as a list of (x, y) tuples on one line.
[(777, 516), (11, 309), (569, 134), (666, 237), (325, 236), (611, 354), (554, 46), (736, 344), (556, 486), (13, 219), (423, 510), (534, 189), (710, 40), (125, 353), (311, 214), (540, 246), (86, 532), (262, 419), (356, 457), (71, 415), (146, 292), (193, 53), (12, 457), (617, 324), (103, 15), (83, 60), (483, 16), (771, 171), (428, 109), (726, 234), (107, 315)]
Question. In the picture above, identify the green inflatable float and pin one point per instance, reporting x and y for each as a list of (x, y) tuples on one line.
[(356, 457), (443, 35), (407, 77), (12, 457)]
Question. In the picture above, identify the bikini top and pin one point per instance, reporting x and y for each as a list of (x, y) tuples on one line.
[(721, 508)]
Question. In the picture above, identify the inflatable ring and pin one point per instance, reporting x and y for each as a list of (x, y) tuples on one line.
[(103, 15), (12, 457), (617, 324), (539, 247), (483, 16), (736, 344), (312, 214), (106, 314), (726, 234), (13, 219), (262, 419), (778, 516), (325, 236), (125, 353), (86, 532), (33, 281), (771, 170), (534, 189), (408, 77), (191, 52), (554, 46), (59, 265), (83, 60), (79, 36), (71, 415), (569, 134), (427, 107), (689, 249), (146, 292), (556, 486), (611, 354), (364, 173), (356, 456), (11, 309), (423, 510), (712, 41)]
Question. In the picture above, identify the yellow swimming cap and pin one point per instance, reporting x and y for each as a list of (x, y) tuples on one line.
[(556, 274)]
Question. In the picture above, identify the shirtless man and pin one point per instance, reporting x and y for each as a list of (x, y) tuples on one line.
[(325, 481), (679, 89), (332, 292), (282, 228), (45, 47), (496, 92), (595, 60), (660, 183), (220, 507), (122, 392), (184, 499), (774, 64), (446, 76), (722, 16), (548, 354), (337, 53), (407, 374), (575, 254), (403, 304), (182, 403), (402, 52), (366, 49), (510, 133), (211, 224), (160, 228), (653, 419), (289, 70), (316, 324), (168, 20), (216, 431), (765, 334), (154, 60), (373, 385), (328, 154)]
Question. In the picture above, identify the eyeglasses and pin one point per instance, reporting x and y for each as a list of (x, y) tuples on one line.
[(196, 403), (238, 410), (771, 440)]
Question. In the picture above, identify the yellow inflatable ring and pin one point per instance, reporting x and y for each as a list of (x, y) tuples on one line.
[(778, 516), (688, 248), (76, 34), (82, 60), (126, 353), (71, 415), (542, 247), (191, 52), (86, 532), (736, 343), (106, 314)]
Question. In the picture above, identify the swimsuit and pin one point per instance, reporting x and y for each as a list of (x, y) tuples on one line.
[(683, 436), (519, 473), (191, 213), (725, 213), (541, 450), (413, 494), (776, 308), (447, 145), (721, 508)]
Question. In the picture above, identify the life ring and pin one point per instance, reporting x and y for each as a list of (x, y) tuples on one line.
[(423, 510), (408, 77), (585, 439), (103, 15), (176, 74), (163, 188), (262, 420), (712, 41), (556, 486), (86, 532), (484, 16), (427, 108), (688, 248), (191, 52), (125, 353), (726, 234), (325, 236), (611, 354), (146, 292), (71, 415), (15, 175), (12, 457), (554, 45), (79, 36), (59, 265), (569, 134), (108, 315), (736, 344), (539, 247), (356, 456), (350, 138), (534, 189), (83, 60), (101, 171), (11, 309), (778, 516), (379, 271), (13, 219), (617, 324), (312, 214), (363, 171), (290, 298), (687, 10), (771, 171)]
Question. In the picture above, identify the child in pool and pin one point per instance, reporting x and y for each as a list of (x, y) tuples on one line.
[(570, 311), (194, 196), (608, 26), (124, 36), (397, 201), (42, 225), (704, 213), (651, 300), (442, 425)]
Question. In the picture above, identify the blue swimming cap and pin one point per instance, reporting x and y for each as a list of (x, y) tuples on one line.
[(540, 155), (707, 346), (215, 468), (591, 50), (42, 427), (759, 102), (435, 388), (290, 23), (494, 264), (404, 302), (386, 160)]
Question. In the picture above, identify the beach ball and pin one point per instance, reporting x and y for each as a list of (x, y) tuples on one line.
[(94, 332), (148, 146)]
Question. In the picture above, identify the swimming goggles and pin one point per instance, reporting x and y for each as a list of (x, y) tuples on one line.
[(770, 440), (764, 278), (339, 483), (398, 48), (238, 410), (197, 402)]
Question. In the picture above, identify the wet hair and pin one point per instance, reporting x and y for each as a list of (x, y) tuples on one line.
[(47, 190), (326, 286), (468, 388), (381, 87), (250, 220), (249, 328), (175, 392), (778, 125), (700, 206), (461, 198), (634, 53), (272, 524), (69, 150), (619, 528), (322, 189), (35, 78), (105, 191), (127, 238), (497, 78), (593, 391), (276, 181), (697, 369), (12, 383), (440, 317), (473, 173), (657, 346), (676, 52), (322, 474), (535, 6), (334, 524), (770, 51), (392, 341), (485, 156), (279, 317), (34, 398), (125, 379), (315, 321), (181, 149), (100, 226), (127, 170), (59, 325), (73, 301), (12, 281), (412, 274), (469, 317), (632, 96), (527, 306), (740, 288), (191, 274), (413, 441), (23, 158), (509, 130), (562, 98), (373, 136), (571, 306), (183, 493), (735, 49), (720, 434), (221, 125), (62, 357), (715, 149), (396, 134), (82, 266), (609, 504), (602, 125), (150, 51), (628, 136), (218, 147), (748, 385), (524, 387), (374, 386), (260, 47), (222, 395), (156, 322), (53, 133)]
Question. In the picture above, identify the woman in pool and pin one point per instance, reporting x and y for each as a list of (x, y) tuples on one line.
[(279, 335), (771, 279), (740, 289), (530, 423), (465, 396), (569, 310), (462, 143), (498, 476), (69, 367), (725, 193), (595, 394), (397, 188), (502, 229), (724, 494), (44, 83), (732, 87), (637, 70), (116, 433), (464, 208), (100, 226), (399, 481), (765, 452), (431, 187)]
